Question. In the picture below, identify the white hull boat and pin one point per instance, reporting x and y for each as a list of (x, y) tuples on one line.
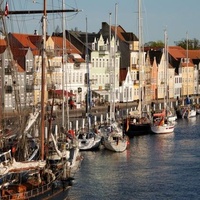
[(89, 141), (161, 124), (113, 138), (162, 129)]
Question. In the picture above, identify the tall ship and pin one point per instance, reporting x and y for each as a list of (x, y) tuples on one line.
[(41, 162)]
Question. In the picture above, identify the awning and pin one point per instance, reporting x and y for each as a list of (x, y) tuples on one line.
[(60, 93), (101, 92)]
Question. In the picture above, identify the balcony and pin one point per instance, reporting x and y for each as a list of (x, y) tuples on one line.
[(103, 52)]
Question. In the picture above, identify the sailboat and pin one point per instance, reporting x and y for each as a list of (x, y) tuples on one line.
[(188, 110), (138, 121), (113, 137), (39, 178), (160, 122), (88, 138), (170, 112)]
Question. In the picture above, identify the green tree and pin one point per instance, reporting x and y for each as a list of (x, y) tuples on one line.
[(158, 43), (193, 44)]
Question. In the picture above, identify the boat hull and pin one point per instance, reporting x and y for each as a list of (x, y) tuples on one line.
[(138, 129), (162, 129), (89, 144), (116, 146), (53, 194), (186, 112), (53, 191)]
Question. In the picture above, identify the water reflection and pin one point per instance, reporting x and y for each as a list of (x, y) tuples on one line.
[(162, 166)]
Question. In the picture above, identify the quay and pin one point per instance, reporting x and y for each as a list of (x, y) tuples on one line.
[(99, 112)]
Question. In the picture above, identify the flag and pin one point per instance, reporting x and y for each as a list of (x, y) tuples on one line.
[(6, 9)]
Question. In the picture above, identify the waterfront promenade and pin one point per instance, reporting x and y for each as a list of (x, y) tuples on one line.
[(100, 112)]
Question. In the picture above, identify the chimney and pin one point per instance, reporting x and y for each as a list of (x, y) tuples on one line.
[(35, 32)]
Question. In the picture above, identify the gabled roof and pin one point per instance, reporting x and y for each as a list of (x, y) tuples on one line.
[(155, 54), (130, 37), (24, 42), (70, 48), (19, 68), (194, 54), (176, 52), (3, 42), (120, 32), (123, 35), (2, 45), (24, 39)]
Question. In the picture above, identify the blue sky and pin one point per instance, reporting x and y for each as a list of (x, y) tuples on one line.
[(177, 16)]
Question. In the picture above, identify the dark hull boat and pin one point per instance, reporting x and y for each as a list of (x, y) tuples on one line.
[(55, 190), (132, 129)]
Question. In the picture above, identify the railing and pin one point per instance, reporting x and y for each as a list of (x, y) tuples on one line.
[(49, 187), (29, 194)]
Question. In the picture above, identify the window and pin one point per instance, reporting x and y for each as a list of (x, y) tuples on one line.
[(97, 62)]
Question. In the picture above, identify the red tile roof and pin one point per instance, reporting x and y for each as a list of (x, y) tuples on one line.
[(179, 52), (25, 41), (194, 54), (120, 30), (2, 45), (69, 46)]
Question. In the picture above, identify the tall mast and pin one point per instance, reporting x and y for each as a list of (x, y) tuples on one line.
[(12, 66), (43, 80), (139, 57), (88, 77), (111, 66), (112, 56), (114, 61), (64, 79), (165, 68), (187, 61)]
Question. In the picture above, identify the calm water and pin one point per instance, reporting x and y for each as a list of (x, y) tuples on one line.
[(153, 167)]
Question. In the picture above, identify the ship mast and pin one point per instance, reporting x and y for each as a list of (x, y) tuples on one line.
[(13, 69), (140, 58), (43, 79)]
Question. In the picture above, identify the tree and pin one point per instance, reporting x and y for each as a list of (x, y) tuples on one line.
[(193, 44), (158, 43)]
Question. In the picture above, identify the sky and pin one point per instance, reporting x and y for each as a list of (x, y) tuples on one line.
[(177, 17)]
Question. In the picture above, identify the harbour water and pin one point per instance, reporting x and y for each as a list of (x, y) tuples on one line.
[(153, 167)]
